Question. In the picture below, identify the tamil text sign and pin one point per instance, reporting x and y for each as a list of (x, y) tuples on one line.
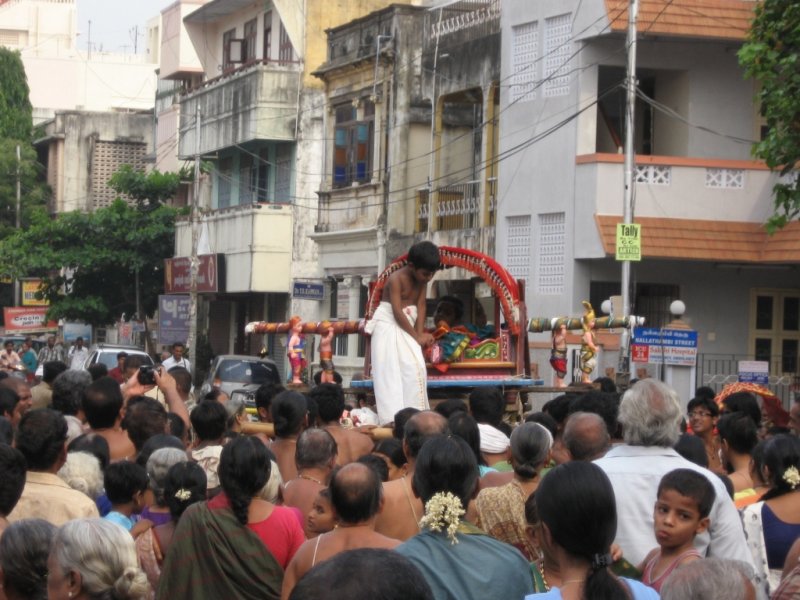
[(754, 371), (668, 346), (210, 274)]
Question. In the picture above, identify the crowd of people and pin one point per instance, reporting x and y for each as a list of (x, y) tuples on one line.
[(134, 491)]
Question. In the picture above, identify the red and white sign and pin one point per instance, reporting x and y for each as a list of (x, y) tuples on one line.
[(27, 319), (210, 274), (640, 353)]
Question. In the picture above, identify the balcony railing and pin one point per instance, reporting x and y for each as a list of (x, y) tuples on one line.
[(257, 102), (457, 206)]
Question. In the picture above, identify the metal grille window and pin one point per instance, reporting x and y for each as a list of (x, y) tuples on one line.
[(551, 264), (525, 54), (224, 182), (352, 144), (518, 246), (248, 179), (283, 174), (557, 49), (285, 48)]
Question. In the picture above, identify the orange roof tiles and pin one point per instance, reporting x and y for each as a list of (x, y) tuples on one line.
[(718, 241), (725, 19)]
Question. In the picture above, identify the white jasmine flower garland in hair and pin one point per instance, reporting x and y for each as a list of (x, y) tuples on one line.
[(443, 512), (792, 477)]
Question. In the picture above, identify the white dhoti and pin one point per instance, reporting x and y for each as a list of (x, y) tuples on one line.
[(399, 377)]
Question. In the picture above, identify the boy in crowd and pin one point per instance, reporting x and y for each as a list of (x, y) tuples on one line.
[(682, 507), (398, 335), (125, 483)]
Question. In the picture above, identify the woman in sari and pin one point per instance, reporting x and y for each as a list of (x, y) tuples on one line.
[(235, 545)]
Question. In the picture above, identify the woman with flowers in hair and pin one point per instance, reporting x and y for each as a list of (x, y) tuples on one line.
[(578, 514), (459, 561), (772, 525), (180, 487)]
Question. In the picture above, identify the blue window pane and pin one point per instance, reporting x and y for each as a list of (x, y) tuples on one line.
[(340, 175), (340, 138), (361, 171)]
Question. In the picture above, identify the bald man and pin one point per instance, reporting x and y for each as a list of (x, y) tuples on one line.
[(586, 436), (402, 511), (357, 497)]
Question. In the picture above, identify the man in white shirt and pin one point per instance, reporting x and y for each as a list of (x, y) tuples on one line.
[(78, 354), (177, 359), (650, 416)]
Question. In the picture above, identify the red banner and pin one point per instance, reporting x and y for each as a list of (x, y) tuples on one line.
[(27, 320), (210, 274)]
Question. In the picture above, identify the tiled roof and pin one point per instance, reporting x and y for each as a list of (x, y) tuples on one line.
[(725, 19), (717, 241)]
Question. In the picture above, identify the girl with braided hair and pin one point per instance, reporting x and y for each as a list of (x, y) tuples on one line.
[(235, 545)]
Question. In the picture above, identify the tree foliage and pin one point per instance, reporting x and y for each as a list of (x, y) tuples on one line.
[(148, 189), (34, 192), (16, 113), (95, 257), (771, 56)]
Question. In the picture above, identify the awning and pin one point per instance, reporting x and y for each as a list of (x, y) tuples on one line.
[(723, 19), (717, 241)]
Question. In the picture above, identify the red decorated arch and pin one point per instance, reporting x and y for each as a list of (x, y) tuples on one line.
[(502, 283)]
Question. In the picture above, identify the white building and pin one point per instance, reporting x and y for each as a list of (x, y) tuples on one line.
[(60, 76), (699, 196)]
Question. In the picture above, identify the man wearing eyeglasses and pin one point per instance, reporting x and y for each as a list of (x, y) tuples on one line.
[(703, 416)]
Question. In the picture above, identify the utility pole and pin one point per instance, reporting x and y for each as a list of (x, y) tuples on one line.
[(195, 261), (627, 210), (17, 222), (89, 40)]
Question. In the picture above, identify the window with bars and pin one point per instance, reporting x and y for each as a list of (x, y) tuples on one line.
[(284, 157), (550, 254), (250, 34), (352, 143), (557, 49), (525, 55), (518, 246), (268, 35), (224, 174), (285, 48)]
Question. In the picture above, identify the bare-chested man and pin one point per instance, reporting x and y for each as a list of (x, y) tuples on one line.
[(352, 444), (402, 511), (290, 416), (315, 458), (357, 498), (399, 375)]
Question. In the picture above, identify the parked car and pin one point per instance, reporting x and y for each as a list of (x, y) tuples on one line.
[(229, 372), (107, 354)]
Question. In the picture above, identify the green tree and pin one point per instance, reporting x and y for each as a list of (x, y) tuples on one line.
[(16, 127), (771, 56), (16, 113), (100, 255), (148, 189)]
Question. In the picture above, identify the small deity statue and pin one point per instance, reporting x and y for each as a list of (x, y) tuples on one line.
[(588, 343), (558, 354), (326, 357), (295, 349)]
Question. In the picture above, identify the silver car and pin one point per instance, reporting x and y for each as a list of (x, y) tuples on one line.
[(229, 372), (107, 354)]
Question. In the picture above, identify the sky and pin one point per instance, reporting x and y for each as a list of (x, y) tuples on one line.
[(113, 23)]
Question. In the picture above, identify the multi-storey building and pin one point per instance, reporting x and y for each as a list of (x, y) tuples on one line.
[(700, 198)]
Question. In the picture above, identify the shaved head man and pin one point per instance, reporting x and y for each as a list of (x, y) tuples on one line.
[(586, 436)]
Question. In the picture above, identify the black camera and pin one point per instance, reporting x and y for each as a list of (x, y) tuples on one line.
[(147, 375)]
